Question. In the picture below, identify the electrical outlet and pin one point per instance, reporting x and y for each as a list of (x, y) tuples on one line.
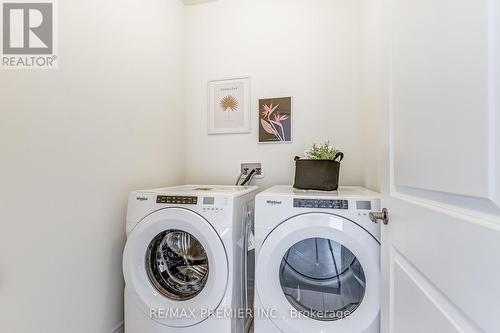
[(246, 167)]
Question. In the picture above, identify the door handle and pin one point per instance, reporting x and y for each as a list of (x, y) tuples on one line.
[(380, 216)]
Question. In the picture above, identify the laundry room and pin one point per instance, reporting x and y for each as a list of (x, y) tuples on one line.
[(264, 166)]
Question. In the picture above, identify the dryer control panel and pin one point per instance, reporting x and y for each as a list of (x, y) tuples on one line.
[(321, 203)]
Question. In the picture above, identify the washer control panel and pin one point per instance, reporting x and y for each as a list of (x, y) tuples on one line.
[(181, 200), (321, 203)]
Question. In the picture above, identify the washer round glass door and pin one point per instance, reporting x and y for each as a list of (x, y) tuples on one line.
[(319, 272), (175, 262)]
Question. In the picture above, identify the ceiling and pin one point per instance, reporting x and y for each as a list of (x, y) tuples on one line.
[(196, 2)]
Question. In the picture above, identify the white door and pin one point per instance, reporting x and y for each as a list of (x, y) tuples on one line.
[(441, 248)]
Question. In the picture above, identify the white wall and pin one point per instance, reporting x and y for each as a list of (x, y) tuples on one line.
[(308, 49), (373, 91), (73, 143)]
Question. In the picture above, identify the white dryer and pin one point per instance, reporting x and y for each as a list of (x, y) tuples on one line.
[(185, 259), (318, 261)]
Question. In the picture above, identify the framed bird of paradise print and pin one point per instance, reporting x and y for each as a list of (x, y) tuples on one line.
[(275, 120), (229, 106)]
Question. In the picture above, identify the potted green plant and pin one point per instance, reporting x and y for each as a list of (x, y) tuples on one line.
[(319, 169)]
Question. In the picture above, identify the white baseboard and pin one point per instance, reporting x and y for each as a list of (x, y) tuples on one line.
[(119, 328)]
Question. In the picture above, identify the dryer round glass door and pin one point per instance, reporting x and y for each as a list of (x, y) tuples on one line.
[(177, 264), (319, 272), (322, 279)]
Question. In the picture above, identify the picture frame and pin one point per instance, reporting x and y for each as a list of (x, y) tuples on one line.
[(229, 106), (275, 120)]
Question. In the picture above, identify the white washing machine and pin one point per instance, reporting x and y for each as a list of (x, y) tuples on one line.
[(318, 261), (186, 258)]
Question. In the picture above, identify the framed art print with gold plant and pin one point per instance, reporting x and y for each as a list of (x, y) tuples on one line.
[(229, 106), (275, 120)]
